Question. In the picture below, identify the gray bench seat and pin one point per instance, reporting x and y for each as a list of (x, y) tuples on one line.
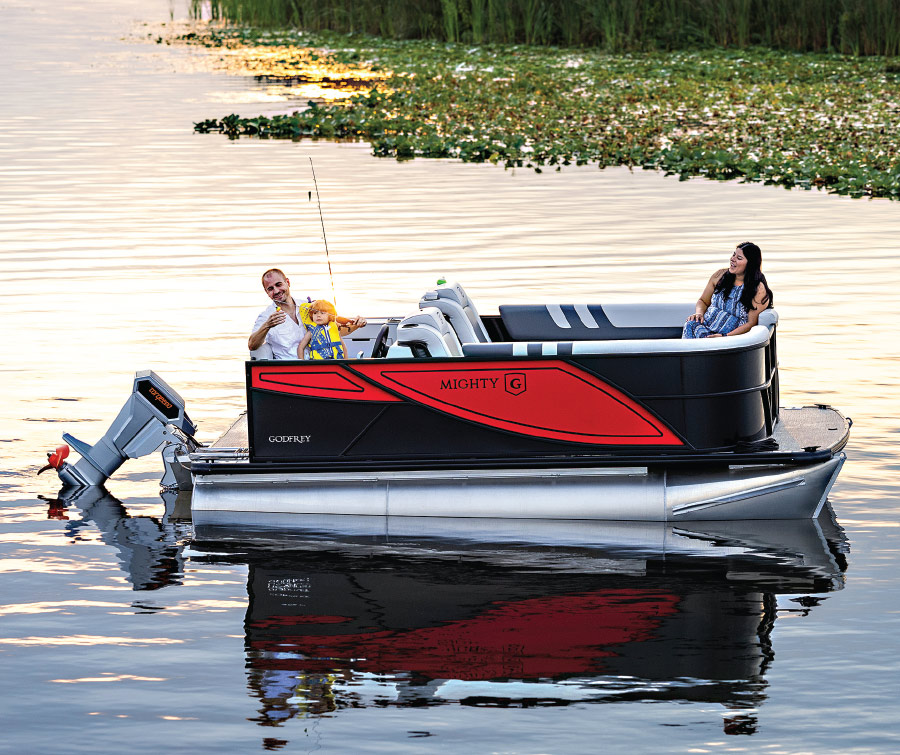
[(593, 322)]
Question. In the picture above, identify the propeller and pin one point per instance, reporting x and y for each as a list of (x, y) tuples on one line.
[(55, 458)]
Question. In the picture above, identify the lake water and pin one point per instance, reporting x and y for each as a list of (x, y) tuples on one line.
[(129, 242)]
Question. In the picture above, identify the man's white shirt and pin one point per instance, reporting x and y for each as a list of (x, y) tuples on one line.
[(285, 338)]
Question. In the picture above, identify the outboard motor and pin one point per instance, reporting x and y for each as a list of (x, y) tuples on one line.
[(154, 415)]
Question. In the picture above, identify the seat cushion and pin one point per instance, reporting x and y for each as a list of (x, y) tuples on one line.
[(573, 322)]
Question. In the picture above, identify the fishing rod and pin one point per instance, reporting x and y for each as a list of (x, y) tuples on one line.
[(324, 238)]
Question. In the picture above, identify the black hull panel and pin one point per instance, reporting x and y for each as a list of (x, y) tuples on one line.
[(536, 409)]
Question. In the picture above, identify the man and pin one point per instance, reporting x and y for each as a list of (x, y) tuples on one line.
[(280, 324)]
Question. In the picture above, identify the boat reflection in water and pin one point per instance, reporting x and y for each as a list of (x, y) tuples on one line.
[(149, 548), (351, 612)]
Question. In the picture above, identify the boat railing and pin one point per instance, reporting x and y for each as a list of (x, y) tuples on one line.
[(758, 336), (555, 330)]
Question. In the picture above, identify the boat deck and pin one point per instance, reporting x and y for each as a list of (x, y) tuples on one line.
[(235, 436), (810, 428)]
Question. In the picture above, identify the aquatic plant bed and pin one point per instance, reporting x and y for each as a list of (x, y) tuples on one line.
[(789, 119)]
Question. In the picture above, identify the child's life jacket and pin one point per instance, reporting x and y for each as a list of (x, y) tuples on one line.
[(325, 342)]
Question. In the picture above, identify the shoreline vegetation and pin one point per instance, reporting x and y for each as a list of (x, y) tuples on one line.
[(851, 27), (808, 120)]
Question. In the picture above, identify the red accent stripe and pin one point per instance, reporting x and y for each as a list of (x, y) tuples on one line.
[(545, 399), (330, 381)]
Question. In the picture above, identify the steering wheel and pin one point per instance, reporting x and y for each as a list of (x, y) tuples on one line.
[(380, 348)]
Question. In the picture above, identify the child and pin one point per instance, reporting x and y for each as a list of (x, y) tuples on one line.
[(323, 337)]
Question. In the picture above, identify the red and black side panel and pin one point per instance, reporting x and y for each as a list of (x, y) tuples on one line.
[(441, 409), (516, 407), (331, 381), (549, 399)]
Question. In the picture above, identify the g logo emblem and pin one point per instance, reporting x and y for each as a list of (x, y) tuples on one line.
[(515, 383)]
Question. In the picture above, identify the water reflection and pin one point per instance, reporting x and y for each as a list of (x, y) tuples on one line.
[(148, 547), (297, 71), (593, 612)]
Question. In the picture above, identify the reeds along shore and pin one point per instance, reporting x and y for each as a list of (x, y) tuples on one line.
[(854, 27)]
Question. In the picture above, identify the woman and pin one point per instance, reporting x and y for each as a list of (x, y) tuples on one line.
[(732, 300)]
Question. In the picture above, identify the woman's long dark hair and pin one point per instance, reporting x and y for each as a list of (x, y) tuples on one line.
[(753, 276)]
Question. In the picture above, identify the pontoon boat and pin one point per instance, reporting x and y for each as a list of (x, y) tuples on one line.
[(563, 411)]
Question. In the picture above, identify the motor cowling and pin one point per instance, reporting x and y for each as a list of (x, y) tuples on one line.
[(153, 416)]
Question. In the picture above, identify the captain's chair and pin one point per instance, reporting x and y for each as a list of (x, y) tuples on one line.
[(451, 299), (426, 334)]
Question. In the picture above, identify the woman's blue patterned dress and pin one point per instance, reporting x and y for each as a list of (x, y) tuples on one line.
[(723, 316)]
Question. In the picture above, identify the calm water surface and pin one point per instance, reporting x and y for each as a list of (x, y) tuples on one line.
[(129, 242)]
